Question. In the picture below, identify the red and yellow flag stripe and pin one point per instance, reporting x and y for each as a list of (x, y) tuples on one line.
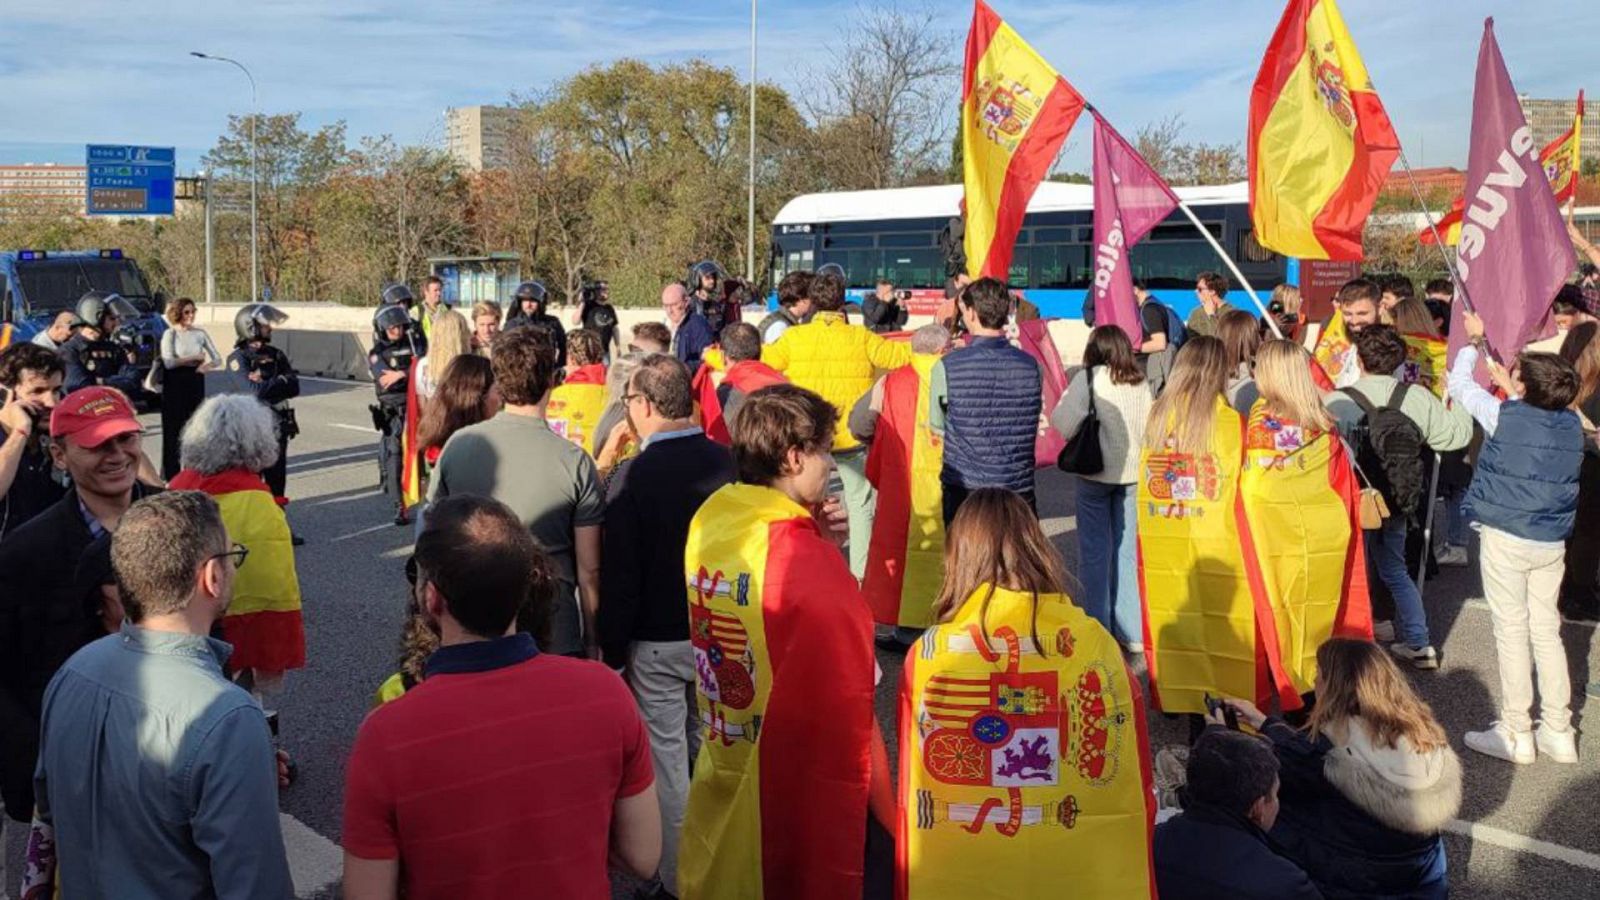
[(1320, 142), (1015, 112), (1561, 160)]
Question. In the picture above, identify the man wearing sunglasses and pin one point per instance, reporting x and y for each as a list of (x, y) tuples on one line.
[(1209, 288), (94, 438), (156, 772)]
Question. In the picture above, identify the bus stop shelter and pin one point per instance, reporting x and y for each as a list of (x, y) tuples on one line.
[(471, 279)]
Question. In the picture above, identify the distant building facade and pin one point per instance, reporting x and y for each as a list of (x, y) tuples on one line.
[(1549, 119), (478, 136), (43, 187)]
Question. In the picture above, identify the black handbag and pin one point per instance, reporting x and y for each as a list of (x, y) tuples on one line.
[(1082, 455)]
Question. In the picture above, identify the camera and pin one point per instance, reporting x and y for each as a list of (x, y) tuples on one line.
[(902, 295), (594, 290)]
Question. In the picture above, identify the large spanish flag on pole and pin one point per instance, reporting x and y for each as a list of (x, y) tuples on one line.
[(784, 683), (1561, 160), (1024, 761), (1015, 112), (1320, 141)]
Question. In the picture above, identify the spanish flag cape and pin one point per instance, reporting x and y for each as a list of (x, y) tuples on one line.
[(1320, 143), (1199, 613), (746, 376), (783, 653), (263, 623), (1020, 762), (1300, 500), (1425, 362), (905, 559), (575, 406), (1336, 354), (410, 460)]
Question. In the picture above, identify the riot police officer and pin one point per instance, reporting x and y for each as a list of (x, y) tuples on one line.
[(256, 367), (91, 356), (399, 344), (530, 307), (707, 284)]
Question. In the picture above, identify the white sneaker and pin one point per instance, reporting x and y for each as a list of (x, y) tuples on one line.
[(1451, 555), (1503, 743), (1383, 632), (1418, 657), (1560, 746)]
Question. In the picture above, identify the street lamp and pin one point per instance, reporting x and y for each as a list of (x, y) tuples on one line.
[(255, 113)]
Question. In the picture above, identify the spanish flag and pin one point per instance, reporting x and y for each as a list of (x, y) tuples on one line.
[(905, 560), (784, 683), (1015, 112), (1425, 362), (411, 488), (575, 407), (1024, 760), (1449, 225), (1561, 160), (1320, 141)]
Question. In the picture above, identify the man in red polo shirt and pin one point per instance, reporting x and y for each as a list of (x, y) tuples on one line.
[(506, 770)]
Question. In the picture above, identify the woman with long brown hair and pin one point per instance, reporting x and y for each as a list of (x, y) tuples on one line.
[(1062, 722), (1112, 383), (1240, 333), (466, 395), (1369, 782)]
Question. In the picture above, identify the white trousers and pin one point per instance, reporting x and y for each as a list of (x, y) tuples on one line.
[(1522, 582)]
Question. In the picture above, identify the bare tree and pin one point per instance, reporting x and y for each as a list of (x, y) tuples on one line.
[(1183, 162), (884, 106)]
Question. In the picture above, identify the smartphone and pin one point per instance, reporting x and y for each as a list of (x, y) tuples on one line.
[(1230, 717)]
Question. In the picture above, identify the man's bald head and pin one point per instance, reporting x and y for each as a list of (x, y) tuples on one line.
[(675, 302)]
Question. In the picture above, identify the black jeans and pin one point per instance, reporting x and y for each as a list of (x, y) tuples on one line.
[(182, 391), (955, 495)]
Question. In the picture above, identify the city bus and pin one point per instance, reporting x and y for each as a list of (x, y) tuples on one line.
[(895, 235)]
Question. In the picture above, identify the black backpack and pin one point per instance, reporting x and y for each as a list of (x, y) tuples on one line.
[(1390, 452)]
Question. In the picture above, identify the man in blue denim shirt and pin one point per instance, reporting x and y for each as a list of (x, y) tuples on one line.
[(156, 772)]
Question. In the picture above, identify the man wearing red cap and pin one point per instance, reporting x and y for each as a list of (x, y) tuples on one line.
[(95, 438)]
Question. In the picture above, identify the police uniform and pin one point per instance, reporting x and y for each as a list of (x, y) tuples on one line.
[(389, 415), (279, 383), (93, 363)]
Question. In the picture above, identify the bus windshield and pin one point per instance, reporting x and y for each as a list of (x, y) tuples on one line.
[(55, 284)]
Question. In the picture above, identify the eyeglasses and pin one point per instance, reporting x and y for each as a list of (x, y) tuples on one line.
[(238, 554), (629, 398)]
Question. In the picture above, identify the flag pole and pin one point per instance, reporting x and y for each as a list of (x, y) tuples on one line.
[(1232, 267), (1433, 226)]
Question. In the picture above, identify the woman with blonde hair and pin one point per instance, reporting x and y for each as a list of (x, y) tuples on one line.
[(1301, 501), (486, 315), (1367, 785), (1240, 333), (1062, 728), (452, 337), (1199, 610)]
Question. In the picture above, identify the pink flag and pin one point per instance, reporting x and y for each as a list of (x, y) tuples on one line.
[(1034, 338), (1514, 252), (1129, 200)]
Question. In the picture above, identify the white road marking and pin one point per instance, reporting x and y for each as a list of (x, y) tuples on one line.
[(1521, 843), (353, 382), (355, 534), (315, 863), (377, 492), (365, 429), (323, 461)]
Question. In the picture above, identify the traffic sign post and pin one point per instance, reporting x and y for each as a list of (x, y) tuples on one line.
[(130, 181)]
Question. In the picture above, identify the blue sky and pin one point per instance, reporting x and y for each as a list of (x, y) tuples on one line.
[(113, 71)]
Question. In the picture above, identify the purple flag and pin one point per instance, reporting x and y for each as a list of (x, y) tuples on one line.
[(1514, 252), (1129, 200)]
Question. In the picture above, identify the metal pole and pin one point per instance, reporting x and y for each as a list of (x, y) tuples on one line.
[(1232, 267), (255, 113), (211, 275), (1433, 226), (750, 250), (1427, 525)]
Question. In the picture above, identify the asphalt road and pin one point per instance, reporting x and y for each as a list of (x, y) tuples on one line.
[(1528, 831)]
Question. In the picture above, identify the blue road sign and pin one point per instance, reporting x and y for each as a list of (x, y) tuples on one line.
[(130, 181)]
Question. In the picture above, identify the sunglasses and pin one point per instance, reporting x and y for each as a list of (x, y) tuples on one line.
[(238, 554)]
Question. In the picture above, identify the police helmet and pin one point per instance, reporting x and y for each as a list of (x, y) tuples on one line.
[(700, 270), (833, 269), (94, 306), (390, 316), (396, 294), (531, 290), (247, 321)]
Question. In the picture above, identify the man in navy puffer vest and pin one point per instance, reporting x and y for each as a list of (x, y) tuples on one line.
[(984, 399), (1523, 498)]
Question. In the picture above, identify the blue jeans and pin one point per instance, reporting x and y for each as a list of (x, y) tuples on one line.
[(1456, 527), (1107, 514), (1387, 548)]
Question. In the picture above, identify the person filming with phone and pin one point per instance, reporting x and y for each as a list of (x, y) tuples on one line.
[(885, 308), (30, 386)]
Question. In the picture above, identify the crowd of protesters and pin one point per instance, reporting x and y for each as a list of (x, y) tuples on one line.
[(610, 522)]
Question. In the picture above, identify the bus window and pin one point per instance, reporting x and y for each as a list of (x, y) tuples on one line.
[(1172, 264), (914, 268), (905, 240), (1018, 274), (1060, 266)]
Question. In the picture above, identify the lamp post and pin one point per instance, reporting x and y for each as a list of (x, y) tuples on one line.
[(211, 276), (255, 113)]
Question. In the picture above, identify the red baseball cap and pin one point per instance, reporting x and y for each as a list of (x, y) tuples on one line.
[(93, 415)]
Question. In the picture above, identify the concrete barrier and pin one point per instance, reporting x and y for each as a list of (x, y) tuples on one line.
[(332, 341)]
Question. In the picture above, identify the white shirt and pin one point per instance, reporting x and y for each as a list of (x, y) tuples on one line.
[(43, 340)]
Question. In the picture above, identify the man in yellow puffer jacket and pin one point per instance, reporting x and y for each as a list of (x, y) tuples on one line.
[(839, 361)]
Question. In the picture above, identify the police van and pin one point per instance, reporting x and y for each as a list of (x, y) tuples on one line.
[(35, 285)]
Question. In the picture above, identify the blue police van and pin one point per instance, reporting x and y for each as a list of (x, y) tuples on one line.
[(35, 285)]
